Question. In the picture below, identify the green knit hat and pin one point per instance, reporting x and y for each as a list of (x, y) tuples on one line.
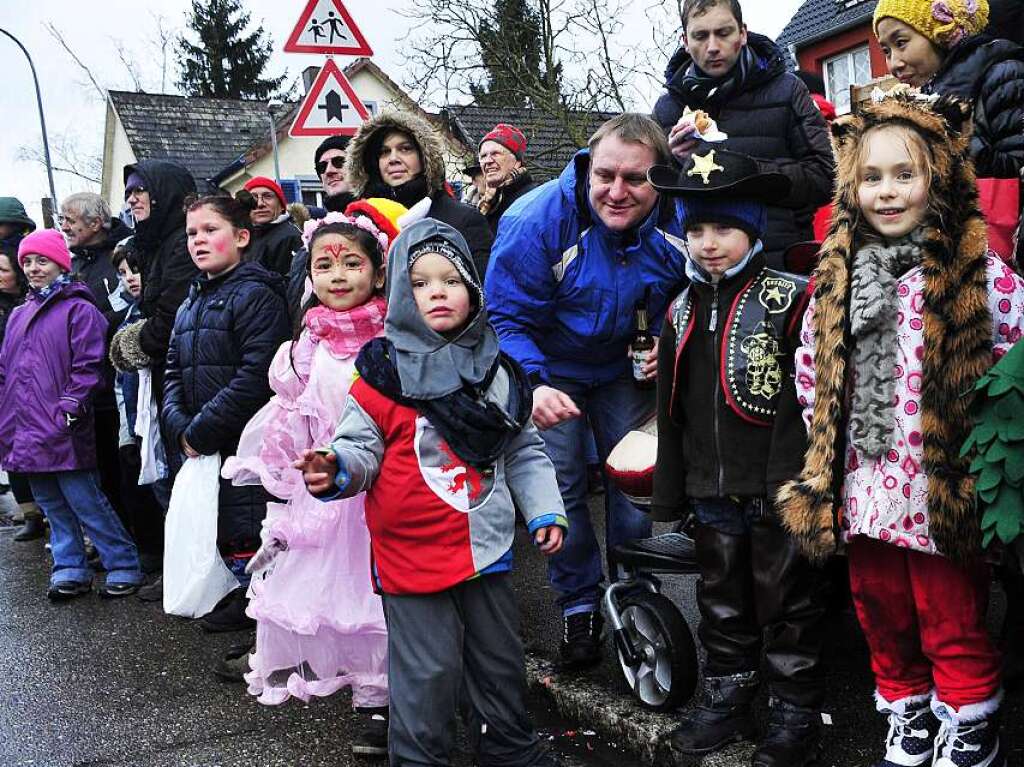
[(13, 212)]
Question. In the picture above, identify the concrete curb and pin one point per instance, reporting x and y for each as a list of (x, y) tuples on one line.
[(619, 719)]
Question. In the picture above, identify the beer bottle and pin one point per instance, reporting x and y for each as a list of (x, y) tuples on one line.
[(642, 343)]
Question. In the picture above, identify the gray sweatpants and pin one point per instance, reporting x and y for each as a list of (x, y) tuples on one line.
[(459, 648)]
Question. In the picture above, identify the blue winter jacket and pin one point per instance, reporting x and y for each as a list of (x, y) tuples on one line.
[(561, 287)]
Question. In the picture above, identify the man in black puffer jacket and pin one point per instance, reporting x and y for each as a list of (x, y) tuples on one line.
[(740, 80)]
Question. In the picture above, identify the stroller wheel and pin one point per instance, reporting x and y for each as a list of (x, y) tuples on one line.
[(666, 674)]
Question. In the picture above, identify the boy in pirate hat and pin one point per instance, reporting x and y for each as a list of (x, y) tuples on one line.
[(729, 434)]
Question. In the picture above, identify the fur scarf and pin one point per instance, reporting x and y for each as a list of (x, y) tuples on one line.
[(957, 331)]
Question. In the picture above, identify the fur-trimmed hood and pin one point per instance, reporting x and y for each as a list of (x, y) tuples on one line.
[(957, 330), (361, 154)]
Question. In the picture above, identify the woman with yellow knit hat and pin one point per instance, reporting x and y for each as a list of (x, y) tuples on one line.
[(941, 46)]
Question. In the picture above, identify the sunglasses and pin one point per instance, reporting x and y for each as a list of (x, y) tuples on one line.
[(336, 162)]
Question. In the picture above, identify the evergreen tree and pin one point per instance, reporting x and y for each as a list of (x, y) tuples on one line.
[(227, 62), (511, 48)]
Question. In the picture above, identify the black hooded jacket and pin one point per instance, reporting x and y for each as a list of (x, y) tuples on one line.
[(770, 116), (990, 73), (167, 268)]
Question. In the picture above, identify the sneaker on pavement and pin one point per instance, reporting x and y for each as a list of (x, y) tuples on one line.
[(153, 591), (229, 614), (581, 640), (33, 529), (65, 591), (117, 590), (973, 743), (912, 731), (372, 739), (235, 664)]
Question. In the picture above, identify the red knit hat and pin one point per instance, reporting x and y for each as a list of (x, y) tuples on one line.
[(510, 137), (270, 184), (46, 242)]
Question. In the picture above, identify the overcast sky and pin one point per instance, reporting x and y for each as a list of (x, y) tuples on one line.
[(94, 30)]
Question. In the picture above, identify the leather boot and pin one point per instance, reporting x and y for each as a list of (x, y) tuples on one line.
[(32, 529), (724, 715), (792, 737)]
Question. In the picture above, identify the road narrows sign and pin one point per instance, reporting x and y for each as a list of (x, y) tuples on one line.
[(331, 108), (326, 26)]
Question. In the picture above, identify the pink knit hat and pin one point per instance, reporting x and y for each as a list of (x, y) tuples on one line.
[(49, 243)]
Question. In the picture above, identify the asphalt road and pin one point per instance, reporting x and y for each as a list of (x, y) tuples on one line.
[(96, 683)]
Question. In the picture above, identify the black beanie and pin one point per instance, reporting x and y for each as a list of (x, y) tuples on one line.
[(331, 142)]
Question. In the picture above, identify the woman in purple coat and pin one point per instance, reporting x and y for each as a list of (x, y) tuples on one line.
[(51, 365)]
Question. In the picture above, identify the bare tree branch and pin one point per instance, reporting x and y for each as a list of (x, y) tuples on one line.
[(66, 157), (164, 37), (52, 29), (129, 65)]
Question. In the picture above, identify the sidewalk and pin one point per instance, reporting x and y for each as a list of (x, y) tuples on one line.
[(598, 700)]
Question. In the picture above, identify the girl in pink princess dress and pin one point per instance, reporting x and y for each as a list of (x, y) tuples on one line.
[(320, 626)]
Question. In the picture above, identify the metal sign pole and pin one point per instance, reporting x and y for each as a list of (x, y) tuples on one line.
[(42, 118)]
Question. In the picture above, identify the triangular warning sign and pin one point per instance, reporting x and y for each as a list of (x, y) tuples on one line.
[(325, 26), (331, 108)]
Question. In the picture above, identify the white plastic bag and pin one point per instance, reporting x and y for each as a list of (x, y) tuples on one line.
[(195, 576), (147, 426)]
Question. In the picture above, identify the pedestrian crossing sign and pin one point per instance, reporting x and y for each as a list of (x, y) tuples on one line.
[(331, 108), (326, 26)]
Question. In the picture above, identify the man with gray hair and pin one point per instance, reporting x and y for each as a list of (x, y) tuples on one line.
[(572, 263), (92, 232)]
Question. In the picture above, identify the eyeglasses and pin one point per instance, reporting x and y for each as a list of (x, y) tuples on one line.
[(264, 198), (134, 190), (336, 162)]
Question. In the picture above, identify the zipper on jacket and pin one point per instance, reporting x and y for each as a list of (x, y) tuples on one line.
[(716, 352)]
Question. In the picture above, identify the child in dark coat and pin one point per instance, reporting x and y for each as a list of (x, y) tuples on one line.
[(225, 337)]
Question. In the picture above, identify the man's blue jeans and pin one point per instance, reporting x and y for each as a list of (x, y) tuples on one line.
[(612, 410), (72, 502)]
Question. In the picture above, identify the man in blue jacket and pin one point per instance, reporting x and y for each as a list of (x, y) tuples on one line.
[(571, 260)]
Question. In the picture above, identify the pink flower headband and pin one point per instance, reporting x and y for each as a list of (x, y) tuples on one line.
[(359, 221), (956, 21)]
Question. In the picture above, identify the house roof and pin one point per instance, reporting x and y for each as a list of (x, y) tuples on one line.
[(819, 19), (202, 134), (550, 143)]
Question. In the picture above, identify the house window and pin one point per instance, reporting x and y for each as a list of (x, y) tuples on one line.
[(842, 71)]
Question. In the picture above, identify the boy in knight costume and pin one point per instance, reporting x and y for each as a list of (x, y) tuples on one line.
[(729, 434), (909, 311)]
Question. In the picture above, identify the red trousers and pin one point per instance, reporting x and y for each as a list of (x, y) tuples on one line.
[(924, 621)]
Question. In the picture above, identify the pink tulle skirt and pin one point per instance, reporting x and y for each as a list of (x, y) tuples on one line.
[(320, 627)]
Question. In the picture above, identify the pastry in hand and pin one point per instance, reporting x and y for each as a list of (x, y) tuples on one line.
[(706, 127)]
